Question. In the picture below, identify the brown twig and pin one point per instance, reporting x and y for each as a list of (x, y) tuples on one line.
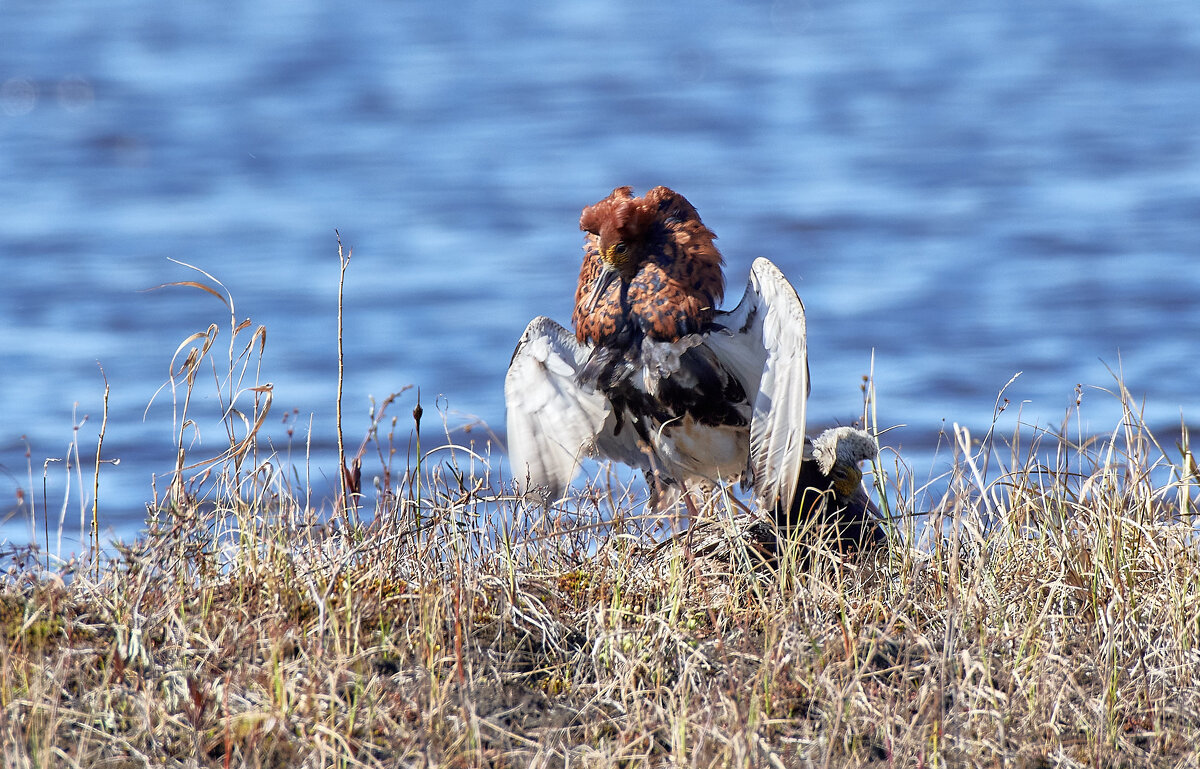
[(96, 484)]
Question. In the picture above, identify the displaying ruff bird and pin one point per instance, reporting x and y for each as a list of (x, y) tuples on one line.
[(656, 377)]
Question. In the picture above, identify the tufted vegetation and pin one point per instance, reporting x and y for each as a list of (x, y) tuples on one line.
[(1050, 616)]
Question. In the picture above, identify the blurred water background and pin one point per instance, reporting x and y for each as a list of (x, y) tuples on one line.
[(960, 193)]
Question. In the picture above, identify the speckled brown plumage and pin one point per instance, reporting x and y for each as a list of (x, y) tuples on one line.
[(673, 283)]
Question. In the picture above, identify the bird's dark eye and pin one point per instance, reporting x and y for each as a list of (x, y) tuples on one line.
[(620, 249)]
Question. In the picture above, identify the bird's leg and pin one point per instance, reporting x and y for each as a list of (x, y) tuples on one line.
[(693, 517), (693, 514)]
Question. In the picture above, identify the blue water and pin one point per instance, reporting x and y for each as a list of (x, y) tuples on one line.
[(959, 195)]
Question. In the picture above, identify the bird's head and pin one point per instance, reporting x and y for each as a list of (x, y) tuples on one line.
[(838, 452), (630, 231), (622, 226)]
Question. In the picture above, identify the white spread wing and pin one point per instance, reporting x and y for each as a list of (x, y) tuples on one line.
[(552, 421), (766, 345)]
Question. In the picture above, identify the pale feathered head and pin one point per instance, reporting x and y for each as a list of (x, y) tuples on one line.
[(843, 446)]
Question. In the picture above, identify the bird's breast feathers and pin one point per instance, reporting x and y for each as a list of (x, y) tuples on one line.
[(690, 409), (714, 453), (667, 308)]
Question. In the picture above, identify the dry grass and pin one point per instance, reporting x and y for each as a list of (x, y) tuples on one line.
[(1054, 620)]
